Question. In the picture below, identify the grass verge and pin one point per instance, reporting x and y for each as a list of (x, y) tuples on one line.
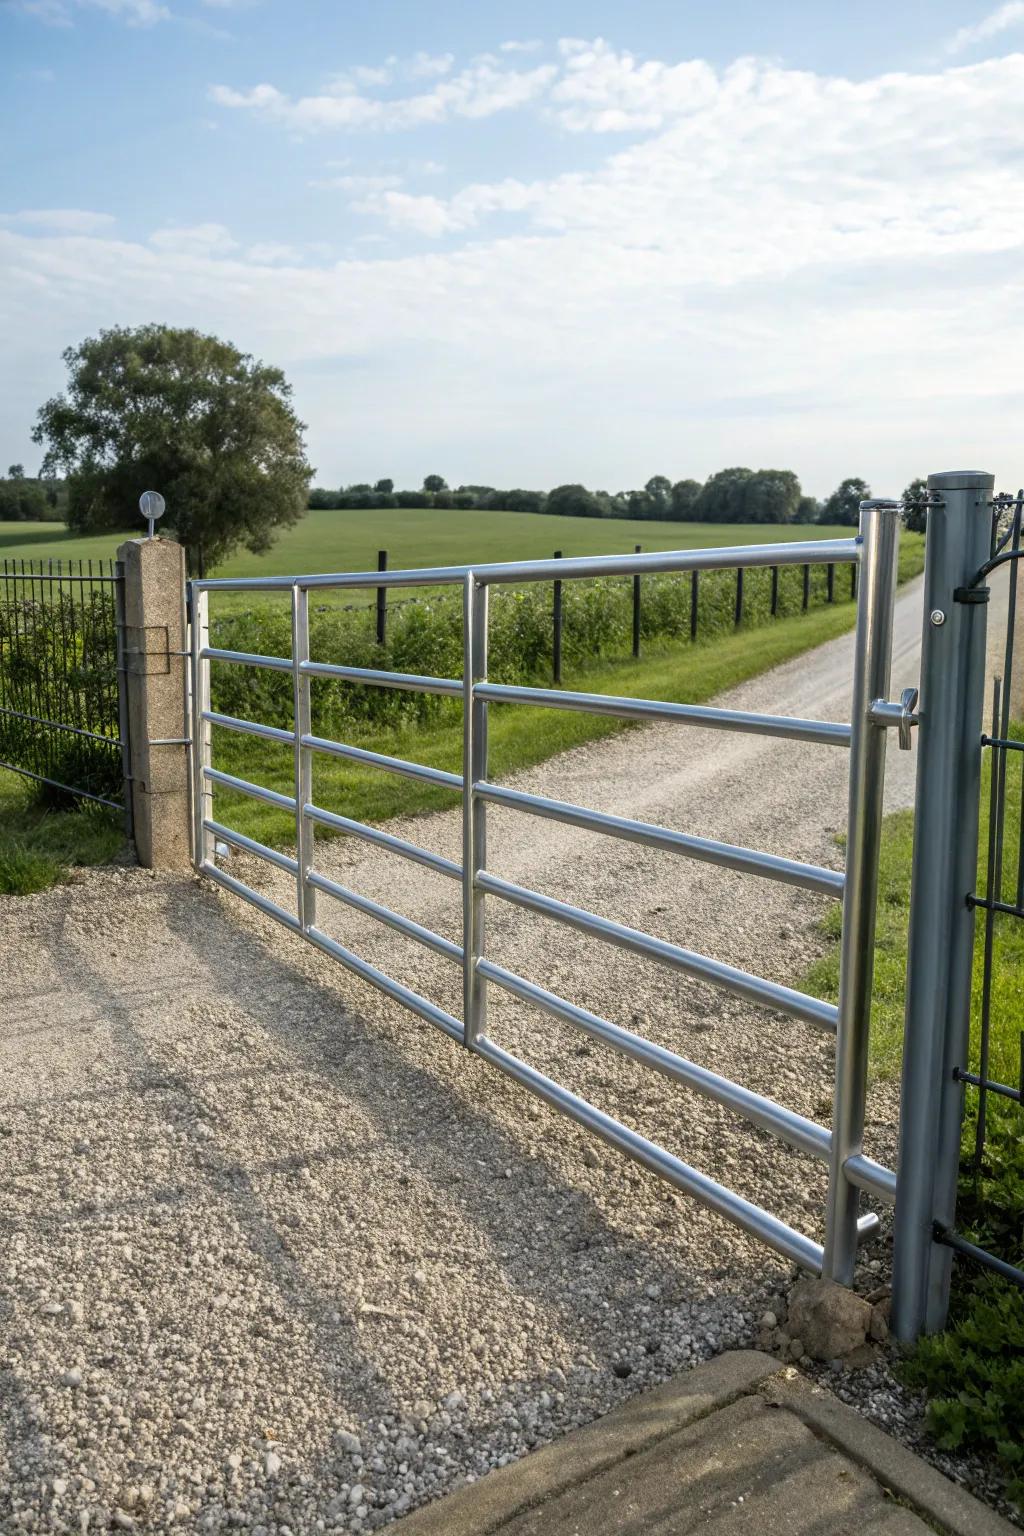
[(519, 736), (38, 845), (973, 1373)]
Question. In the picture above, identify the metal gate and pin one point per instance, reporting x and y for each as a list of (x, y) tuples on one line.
[(840, 1146), (63, 704)]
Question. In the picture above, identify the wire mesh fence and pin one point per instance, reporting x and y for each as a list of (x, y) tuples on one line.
[(988, 1209), (62, 719)]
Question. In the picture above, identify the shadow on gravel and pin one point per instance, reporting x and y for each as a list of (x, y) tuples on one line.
[(434, 1124)]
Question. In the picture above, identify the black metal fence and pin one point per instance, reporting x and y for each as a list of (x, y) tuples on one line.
[(988, 1206), (557, 616), (63, 721)]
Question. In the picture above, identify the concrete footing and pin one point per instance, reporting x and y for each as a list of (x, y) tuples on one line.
[(737, 1445)]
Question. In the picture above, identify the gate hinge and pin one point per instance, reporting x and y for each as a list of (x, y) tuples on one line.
[(903, 715), (971, 595)]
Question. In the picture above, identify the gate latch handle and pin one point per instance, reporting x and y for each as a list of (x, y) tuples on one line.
[(903, 715)]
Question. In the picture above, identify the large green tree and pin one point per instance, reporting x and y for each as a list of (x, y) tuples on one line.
[(573, 501), (771, 496), (843, 506), (914, 505), (185, 414), (722, 496), (685, 495), (22, 500)]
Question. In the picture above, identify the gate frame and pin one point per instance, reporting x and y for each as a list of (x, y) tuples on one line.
[(851, 1171)]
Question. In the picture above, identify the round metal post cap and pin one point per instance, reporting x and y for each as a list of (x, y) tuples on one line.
[(962, 480)]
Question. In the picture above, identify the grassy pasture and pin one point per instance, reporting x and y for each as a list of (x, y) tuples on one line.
[(349, 540)]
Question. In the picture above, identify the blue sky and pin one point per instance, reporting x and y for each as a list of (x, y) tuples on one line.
[(525, 245)]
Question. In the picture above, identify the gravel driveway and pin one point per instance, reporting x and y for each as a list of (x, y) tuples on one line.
[(280, 1257)]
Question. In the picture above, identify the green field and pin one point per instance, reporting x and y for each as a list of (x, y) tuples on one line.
[(349, 541)]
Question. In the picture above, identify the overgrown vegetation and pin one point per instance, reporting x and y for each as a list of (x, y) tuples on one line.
[(973, 1373), (38, 844)]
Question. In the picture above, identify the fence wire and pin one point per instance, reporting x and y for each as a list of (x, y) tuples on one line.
[(60, 706)]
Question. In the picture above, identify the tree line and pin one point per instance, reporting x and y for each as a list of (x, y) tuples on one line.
[(736, 495), (24, 499)]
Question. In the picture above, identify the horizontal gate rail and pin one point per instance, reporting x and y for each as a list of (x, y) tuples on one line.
[(247, 727), (751, 1218), (478, 883), (246, 658), (246, 787), (424, 856), (410, 681), (871, 1176), (250, 845), (239, 888), (769, 994), (807, 552), (799, 1132), (829, 882), (387, 984), (380, 760), (403, 925), (821, 731)]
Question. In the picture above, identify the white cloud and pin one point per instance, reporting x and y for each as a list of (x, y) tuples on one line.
[(270, 253), (424, 66), (605, 91), (60, 13), (195, 240), (480, 90), (531, 45), (1000, 20), (435, 216), (364, 185), (787, 268), (72, 221)]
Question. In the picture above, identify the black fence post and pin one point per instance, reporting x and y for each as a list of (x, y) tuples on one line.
[(738, 615), (831, 582), (853, 580), (382, 599), (694, 575), (636, 610), (556, 649), (807, 587), (775, 591)]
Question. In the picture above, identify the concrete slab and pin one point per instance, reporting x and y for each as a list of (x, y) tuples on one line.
[(739, 1445)]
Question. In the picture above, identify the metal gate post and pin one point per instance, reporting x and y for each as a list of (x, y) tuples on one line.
[(202, 840), (474, 808), (879, 528), (302, 721), (941, 939)]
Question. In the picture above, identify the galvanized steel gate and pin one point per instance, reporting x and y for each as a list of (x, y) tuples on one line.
[(850, 1171)]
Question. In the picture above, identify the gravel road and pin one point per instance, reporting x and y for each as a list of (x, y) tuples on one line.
[(279, 1257)]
